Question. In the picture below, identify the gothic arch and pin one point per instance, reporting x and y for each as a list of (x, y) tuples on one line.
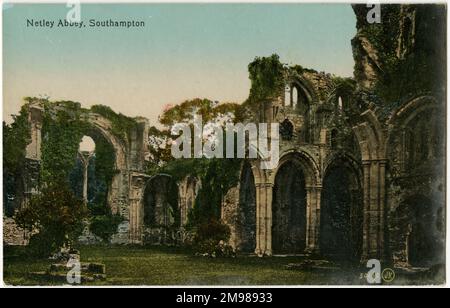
[(104, 126), (247, 208), (300, 96), (402, 116), (159, 199), (289, 209), (348, 160), (126, 188), (304, 86), (341, 209), (292, 205), (305, 161), (371, 137), (372, 142)]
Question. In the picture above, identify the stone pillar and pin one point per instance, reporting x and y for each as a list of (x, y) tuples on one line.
[(136, 214), (260, 220), (85, 157), (35, 117), (313, 199), (287, 96), (374, 173), (258, 249), (33, 153), (182, 205), (264, 193), (268, 188), (382, 207), (366, 211)]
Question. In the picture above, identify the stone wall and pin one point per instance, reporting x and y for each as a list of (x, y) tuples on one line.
[(12, 234)]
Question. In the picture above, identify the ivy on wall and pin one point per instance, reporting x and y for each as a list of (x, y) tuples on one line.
[(62, 131), (421, 65), (121, 124), (64, 123), (217, 175), (267, 78), (16, 136)]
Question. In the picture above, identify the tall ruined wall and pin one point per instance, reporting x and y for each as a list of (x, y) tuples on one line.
[(404, 54), (400, 70), (128, 138)]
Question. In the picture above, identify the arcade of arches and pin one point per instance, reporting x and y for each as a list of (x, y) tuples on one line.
[(381, 197), (371, 190)]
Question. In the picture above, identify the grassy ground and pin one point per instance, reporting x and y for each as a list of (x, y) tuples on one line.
[(171, 266)]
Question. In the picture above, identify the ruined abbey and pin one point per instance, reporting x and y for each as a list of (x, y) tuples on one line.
[(361, 172)]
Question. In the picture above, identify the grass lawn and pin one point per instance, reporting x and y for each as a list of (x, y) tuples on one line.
[(172, 266), (129, 265)]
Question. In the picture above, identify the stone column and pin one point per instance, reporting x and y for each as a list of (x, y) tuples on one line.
[(382, 207), (313, 199), (85, 157), (264, 219), (182, 205), (35, 118), (136, 214), (260, 220), (374, 173), (268, 188), (258, 250), (366, 211), (33, 153)]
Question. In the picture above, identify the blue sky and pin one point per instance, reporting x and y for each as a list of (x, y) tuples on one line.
[(184, 51)]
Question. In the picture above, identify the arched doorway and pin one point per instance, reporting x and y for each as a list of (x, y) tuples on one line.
[(161, 203), (247, 210), (341, 213), (289, 210)]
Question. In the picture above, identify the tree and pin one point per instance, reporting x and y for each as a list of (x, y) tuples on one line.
[(16, 136), (55, 217)]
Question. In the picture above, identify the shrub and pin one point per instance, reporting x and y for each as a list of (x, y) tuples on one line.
[(55, 217), (105, 226), (211, 239)]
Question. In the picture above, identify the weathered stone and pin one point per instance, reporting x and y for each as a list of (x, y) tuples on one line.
[(12, 234)]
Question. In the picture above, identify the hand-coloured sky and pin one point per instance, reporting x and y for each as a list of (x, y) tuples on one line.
[(184, 51)]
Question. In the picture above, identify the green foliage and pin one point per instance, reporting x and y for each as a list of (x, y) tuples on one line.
[(62, 133), (105, 226), (211, 237), (121, 124), (57, 217), (212, 230), (300, 69), (266, 76), (344, 87), (16, 137), (105, 159), (219, 176), (418, 68), (209, 110), (160, 151)]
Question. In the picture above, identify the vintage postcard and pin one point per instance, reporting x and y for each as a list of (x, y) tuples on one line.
[(224, 144)]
